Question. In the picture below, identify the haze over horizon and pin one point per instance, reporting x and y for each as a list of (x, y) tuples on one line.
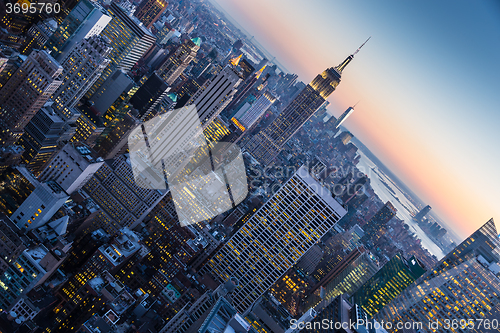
[(427, 81)]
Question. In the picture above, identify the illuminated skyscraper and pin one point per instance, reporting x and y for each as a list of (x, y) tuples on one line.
[(345, 278), (28, 202), (149, 11), (11, 244), (82, 67), (87, 19), (38, 35), (88, 128), (248, 81), (115, 141), (275, 237), (178, 60), (17, 187), (163, 30), (216, 131), (72, 167), (89, 280), (266, 145), (204, 64), (388, 283), (345, 137), (23, 274), (110, 90), (129, 39), (257, 109), (464, 284), (40, 138), (215, 95), (26, 92), (124, 203), (149, 95), (247, 117)]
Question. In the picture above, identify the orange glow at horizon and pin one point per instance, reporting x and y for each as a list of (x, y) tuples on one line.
[(430, 176), (424, 173)]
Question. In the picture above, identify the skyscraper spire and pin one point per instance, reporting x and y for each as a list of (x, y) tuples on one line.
[(359, 48), (236, 61), (344, 116), (259, 73), (344, 64), (266, 145)]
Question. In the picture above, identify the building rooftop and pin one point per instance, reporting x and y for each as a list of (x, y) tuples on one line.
[(197, 41), (224, 318), (37, 253), (320, 190), (97, 324), (13, 149), (123, 246), (97, 284), (60, 225), (56, 188)]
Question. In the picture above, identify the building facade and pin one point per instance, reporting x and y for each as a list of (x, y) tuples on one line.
[(149, 11), (129, 39), (246, 118), (87, 19), (82, 65), (72, 167), (464, 284), (40, 138), (215, 94), (178, 60), (394, 277), (26, 92), (275, 237), (123, 201)]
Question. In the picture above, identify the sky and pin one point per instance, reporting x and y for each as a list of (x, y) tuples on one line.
[(428, 81)]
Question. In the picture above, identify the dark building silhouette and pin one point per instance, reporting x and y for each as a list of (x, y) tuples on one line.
[(420, 215), (40, 138), (149, 95), (377, 226)]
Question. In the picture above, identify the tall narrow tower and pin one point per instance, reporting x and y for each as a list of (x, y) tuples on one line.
[(149, 11), (343, 117), (177, 61), (215, 95), (269, 142), (129, 39), (82, 67), (87, 19), (26, 92)]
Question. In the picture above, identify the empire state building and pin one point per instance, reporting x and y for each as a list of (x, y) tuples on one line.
[(267, 144)]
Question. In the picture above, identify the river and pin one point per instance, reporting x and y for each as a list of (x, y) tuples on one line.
[(378, 178)]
